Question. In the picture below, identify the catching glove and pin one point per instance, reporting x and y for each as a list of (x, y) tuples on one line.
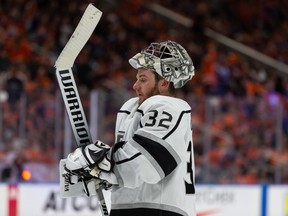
[(85, 159)]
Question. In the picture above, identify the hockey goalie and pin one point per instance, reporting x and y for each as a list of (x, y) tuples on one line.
[(150, 168)]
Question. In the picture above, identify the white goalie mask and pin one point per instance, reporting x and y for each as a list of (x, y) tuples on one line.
[(169, 59)]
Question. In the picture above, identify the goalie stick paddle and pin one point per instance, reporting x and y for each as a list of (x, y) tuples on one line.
[(80, 36), (68, 87)]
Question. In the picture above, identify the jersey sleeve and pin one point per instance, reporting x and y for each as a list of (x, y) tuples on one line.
[(155, 148)]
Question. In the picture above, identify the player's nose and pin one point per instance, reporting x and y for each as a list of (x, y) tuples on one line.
[(136, 85)]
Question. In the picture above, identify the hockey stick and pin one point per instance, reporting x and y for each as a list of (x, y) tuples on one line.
[(68, 87)]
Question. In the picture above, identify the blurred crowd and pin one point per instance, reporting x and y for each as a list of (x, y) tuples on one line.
[(240, 107)]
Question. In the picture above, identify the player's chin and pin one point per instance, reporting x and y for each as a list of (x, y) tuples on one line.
[(140, 99)]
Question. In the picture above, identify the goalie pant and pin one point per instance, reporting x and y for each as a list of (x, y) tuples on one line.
[(155, 167)]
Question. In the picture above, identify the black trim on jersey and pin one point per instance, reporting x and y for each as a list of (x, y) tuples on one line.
[(124, 111), (114, 149), (163, 157), (142, 113), (177, 123), (128, 159), (142, 212)]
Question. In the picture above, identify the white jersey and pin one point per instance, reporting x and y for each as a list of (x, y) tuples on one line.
[(155, 167)]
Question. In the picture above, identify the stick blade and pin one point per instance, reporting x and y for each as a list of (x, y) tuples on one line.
[(79, 38)]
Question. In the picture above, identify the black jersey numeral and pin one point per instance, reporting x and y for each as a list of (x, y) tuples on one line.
[(190, 188), (164, 121), (166, 118), (152, 117)]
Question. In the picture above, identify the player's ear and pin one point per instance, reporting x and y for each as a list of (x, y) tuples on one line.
[(163, 87), (164, 83)]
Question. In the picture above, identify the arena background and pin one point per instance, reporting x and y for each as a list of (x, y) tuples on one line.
[(238, 96)]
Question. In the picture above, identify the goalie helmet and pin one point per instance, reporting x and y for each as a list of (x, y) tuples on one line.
[(168, 59)]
